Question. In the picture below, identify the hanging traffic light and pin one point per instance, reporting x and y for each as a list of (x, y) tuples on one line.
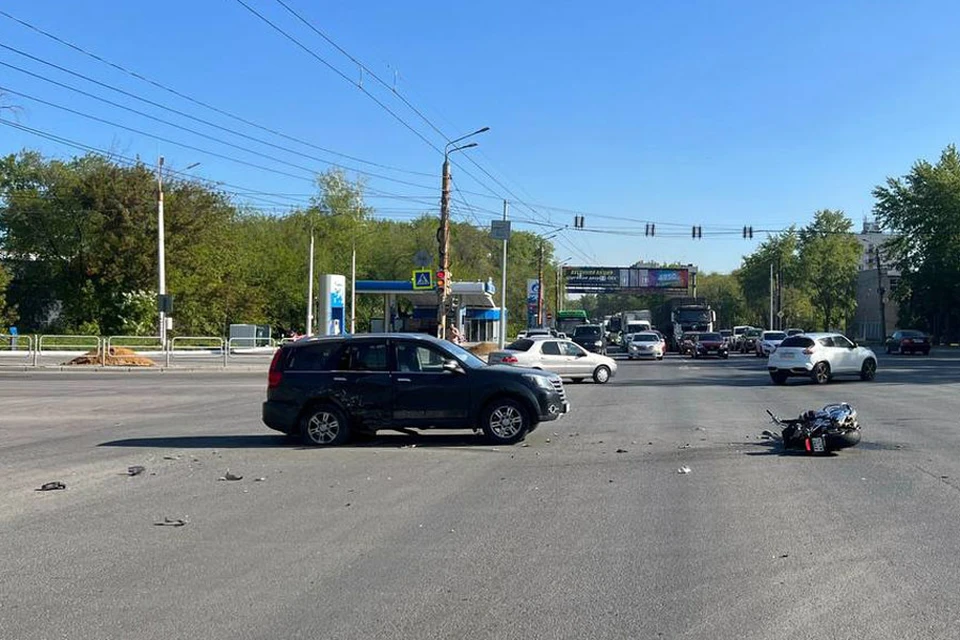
[(650, 229), (697, 232), (747, 232), (441, 280)]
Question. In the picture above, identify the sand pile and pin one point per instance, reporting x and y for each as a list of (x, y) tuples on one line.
[(483, 348), (117, 357)]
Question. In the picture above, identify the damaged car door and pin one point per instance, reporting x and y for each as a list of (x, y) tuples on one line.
[(362, 385)]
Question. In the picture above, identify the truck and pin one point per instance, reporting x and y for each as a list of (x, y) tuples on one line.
[(677, 315), (568, 320)]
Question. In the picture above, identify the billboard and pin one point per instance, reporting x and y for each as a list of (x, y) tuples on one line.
[(533, 299), (625, 280)]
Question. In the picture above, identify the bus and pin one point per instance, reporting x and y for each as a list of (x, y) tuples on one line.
[(568, 320)]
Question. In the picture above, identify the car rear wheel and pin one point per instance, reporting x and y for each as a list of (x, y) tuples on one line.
[(778, 377), (821, 373), (869, 370), (324, 426), (504, 421), (601, 374)]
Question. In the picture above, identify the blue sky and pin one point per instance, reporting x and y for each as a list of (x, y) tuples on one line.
[(719, 114)]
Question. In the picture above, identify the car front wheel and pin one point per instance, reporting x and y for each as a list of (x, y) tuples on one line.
[(869, 370), (601, 374), (821, 373), (504, 421), (325, 426)]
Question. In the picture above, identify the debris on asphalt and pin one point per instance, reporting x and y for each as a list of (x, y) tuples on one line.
[(525, 444), (699, 429), (171, 522), (135, 470), (259, 479), (230, 476), (621, 451), (685, 445), (172, 457), (683, 470), (573, 435), (347, 505), (52, 486), (547, 440), (649, 443)]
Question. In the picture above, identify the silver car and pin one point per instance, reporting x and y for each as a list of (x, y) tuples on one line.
[(563, 357), (645, 345)]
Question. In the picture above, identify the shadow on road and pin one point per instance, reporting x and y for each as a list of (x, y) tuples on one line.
[(390, 440)]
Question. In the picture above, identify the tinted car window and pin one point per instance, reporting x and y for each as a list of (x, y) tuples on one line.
[(645, 337), (774, 335), (801, 342), (520, 345), (316, 357), (911, 334), (586, 331), (710, 337), (366, 356), (550, 349), (826, 342), (418, 358)]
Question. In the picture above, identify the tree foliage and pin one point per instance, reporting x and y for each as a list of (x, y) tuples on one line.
[(829, 255), (922, 209), (79, 242)]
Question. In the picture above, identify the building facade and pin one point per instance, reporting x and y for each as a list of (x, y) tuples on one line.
[(876, 280)]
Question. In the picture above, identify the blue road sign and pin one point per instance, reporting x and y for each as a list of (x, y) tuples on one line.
[(422, 279)]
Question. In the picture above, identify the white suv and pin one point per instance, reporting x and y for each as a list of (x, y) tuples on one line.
[(820, 356)]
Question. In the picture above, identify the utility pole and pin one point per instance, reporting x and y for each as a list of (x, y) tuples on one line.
[(503, 287), (881, 291), (540, 321), (161, 258), (556, 306), (443, 238), (771, 296), (310, 288), (779, 293), (353, 289)]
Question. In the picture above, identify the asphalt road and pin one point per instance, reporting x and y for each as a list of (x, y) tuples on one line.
[(564, 538)]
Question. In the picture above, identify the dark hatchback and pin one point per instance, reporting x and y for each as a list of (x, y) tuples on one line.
[(908, 341), (325, 390), (711, 344), (591, 337)]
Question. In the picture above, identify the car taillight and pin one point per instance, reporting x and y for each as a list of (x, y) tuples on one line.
[(904, 341), (809, 350), (509, 360), (275, 375)]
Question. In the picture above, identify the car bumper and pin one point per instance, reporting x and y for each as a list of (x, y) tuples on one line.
[(552, 406), (645, 354), (280, 417), (798, 369)]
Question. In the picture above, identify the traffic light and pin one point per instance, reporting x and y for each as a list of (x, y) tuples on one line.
[(650, 229), (697, 232), (441, 281), (747, 232)]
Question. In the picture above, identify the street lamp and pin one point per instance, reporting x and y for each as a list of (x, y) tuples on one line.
[(443, 234), (163, 301)]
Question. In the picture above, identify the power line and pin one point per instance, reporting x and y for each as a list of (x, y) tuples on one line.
[(201, 103)]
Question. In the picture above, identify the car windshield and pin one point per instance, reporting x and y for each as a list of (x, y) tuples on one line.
[(523, 344), (587, 331), (726, 333), (693, 315), (774, 335), (752, 333), (466, 358), (911, 334), (710, 337), (645, 337)]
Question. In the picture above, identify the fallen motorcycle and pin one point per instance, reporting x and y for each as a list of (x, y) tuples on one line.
[(829, 429)]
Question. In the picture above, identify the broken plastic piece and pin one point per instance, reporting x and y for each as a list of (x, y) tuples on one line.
[(683, 470), (135, 470), (52, 486), (171, 522)]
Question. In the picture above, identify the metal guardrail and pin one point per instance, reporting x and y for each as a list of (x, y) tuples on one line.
[(242, 348), (18, 344), (197, 346), (67, 345)]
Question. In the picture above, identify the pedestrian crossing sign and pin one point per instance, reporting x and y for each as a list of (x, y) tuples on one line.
[(422, 279)]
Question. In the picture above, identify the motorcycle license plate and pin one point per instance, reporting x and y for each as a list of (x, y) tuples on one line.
[(818, 445)]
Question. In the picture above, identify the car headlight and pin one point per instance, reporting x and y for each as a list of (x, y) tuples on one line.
[(598, 343), (539, 381)]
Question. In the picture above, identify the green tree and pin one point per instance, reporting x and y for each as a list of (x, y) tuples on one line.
[(723, 292), (922, 209), (829, 255), (8, 314)]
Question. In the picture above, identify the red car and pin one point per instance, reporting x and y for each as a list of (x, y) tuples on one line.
[(711, 344), (908, 341)]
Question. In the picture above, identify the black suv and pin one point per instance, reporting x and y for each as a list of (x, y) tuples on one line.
[(327, 389), (591, 337)]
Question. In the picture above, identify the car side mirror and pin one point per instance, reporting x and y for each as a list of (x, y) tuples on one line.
[(452, 366)]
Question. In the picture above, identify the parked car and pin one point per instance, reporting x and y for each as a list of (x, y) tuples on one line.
[(748, 341), (711, 344), (821, 356), (562, 357), (794, 332), (591, 338), (768, 342), (688, 342), (646, 344), (908, 341), (325, 390)]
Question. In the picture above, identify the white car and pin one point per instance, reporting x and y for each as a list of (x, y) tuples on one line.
[(768, 342), (563, 357), (821, 356), (645, 345)]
